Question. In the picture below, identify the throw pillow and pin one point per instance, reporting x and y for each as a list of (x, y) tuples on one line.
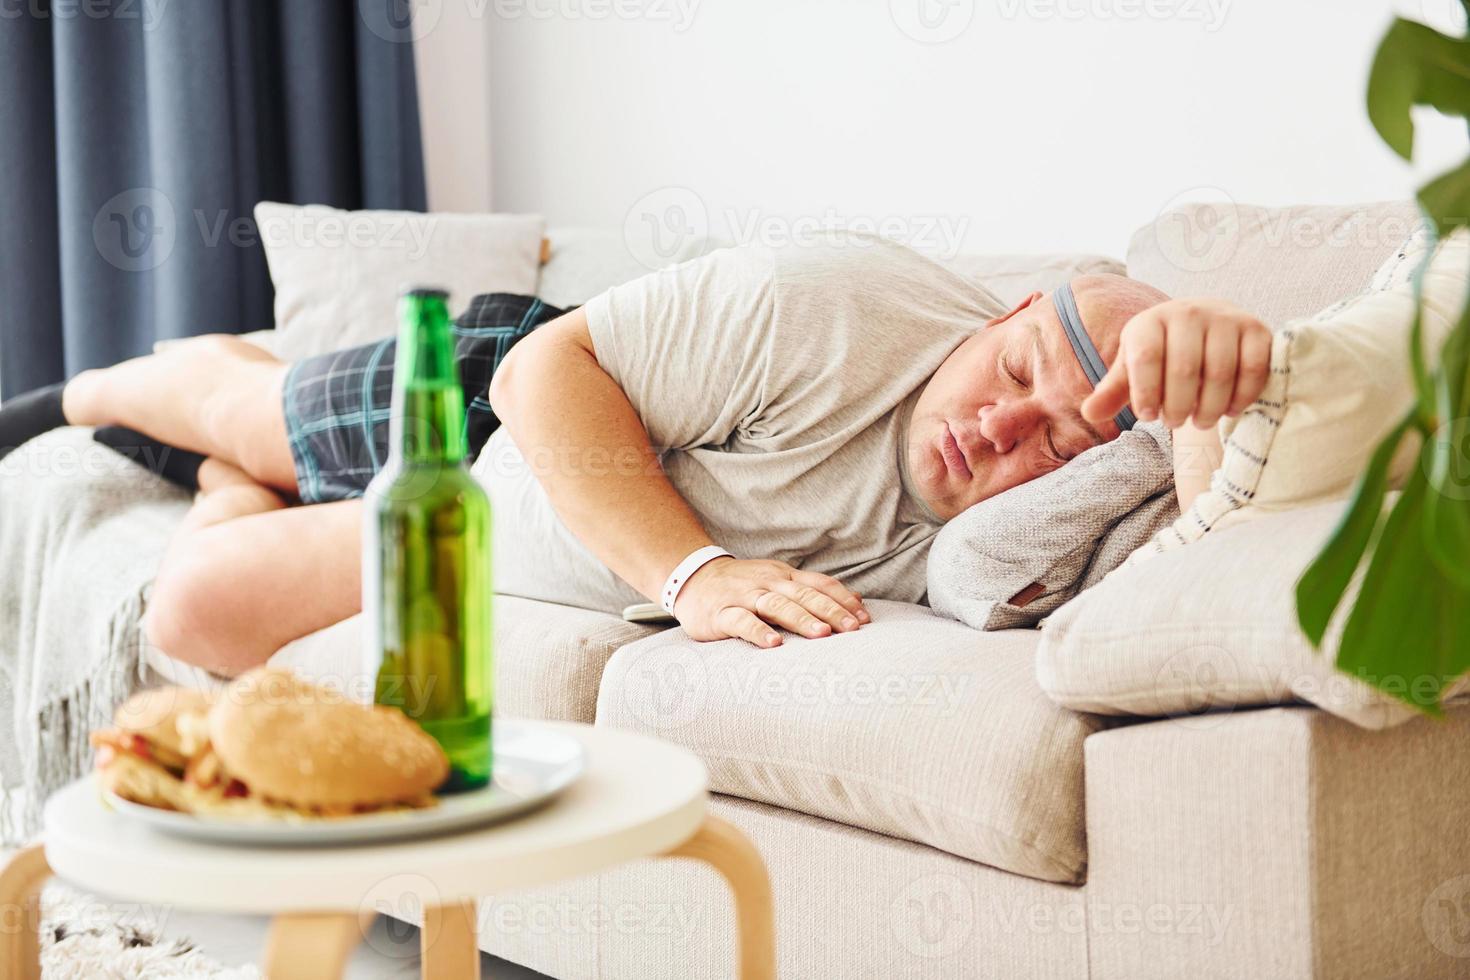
[(1339, 382), (1202, 630), (1063, 532), (338, 274)]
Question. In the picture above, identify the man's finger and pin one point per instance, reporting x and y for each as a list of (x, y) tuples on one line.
[(1110, 395), (744, 625), (1144, 352), (1183, 357), (778, 610), (1222, 354), (818, 603), (1254, 370), (845, 596)]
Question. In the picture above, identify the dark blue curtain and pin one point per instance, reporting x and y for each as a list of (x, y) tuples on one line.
[(137, 135)]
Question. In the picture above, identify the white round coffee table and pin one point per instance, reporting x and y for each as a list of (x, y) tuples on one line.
[(639, 797)]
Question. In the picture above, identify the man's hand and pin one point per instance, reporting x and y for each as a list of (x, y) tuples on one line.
[(1200, 358), (731, 597)]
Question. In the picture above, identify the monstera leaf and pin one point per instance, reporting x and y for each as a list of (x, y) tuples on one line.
[(1408, 633)]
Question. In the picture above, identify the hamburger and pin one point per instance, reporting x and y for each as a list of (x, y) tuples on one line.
[(268, 745), (144, 756)]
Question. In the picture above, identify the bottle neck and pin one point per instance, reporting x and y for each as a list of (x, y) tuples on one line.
[(427, 424)]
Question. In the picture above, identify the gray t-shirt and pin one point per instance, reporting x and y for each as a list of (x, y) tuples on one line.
[(780, 382)]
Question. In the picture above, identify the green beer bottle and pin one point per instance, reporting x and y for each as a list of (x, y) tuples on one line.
[(426, 553)]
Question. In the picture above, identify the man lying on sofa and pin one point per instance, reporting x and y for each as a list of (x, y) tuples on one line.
[(818, 412)]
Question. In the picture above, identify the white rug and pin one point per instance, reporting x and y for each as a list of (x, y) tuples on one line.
[(85, 938)]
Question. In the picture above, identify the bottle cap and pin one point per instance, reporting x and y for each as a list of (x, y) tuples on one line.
[(426, 292)]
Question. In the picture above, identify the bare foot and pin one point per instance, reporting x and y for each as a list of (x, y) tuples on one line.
[(219, 479)]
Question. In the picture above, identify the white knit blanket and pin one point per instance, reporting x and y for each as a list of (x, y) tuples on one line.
[(82, 530)]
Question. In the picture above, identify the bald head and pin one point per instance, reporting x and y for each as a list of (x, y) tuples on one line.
[(1003, 407), (1107, 302)]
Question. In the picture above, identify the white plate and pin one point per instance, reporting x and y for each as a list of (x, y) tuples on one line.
[(531, 766)]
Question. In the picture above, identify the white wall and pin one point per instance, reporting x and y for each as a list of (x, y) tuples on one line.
[(452, 61), (1039, 125)]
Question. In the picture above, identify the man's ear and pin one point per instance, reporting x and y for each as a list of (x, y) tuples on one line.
[(1018, 308)]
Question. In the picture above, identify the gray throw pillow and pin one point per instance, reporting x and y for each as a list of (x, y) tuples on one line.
[(1062, 532)]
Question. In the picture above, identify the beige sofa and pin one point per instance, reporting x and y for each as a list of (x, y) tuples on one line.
[(928, 809)]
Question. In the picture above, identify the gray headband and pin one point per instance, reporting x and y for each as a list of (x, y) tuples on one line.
[(1082, 346)]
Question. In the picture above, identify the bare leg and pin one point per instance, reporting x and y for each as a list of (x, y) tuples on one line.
[(217, 395), (245, 575)]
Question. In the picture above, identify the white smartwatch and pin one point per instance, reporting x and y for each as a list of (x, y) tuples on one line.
[(686, 569)]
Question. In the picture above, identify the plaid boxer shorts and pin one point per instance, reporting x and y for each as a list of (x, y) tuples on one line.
[(338, 405)]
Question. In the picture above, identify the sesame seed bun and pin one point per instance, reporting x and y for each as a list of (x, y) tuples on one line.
[(154, 714), (306, 746)]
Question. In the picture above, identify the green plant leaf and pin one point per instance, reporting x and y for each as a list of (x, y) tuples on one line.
[(1321, 586), (1407, 639), (1416, 65), (1447, 458), (1446, 198), (1418, 365)]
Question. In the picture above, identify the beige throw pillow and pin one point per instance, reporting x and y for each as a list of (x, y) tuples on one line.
[(1202, 630), (1339, 383), (337, 274)]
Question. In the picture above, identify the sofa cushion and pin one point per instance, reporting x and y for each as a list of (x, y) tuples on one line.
[(1278, 263), (1205, 628), (913, 726), (588, 261), (1012, 277)]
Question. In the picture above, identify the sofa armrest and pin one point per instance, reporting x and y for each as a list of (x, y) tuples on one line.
[(1279, 842)]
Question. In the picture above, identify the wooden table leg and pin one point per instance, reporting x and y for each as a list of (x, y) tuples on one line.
[(20, 913), (721, 845), (450, 942), (312, 945)]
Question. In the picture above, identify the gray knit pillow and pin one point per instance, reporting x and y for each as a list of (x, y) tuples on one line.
[(1063, 531)]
